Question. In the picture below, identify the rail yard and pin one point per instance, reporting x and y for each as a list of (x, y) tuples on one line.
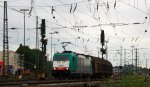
[(74, 43)]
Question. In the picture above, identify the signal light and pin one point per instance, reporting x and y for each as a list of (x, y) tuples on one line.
[(102, 37), (43, 28)]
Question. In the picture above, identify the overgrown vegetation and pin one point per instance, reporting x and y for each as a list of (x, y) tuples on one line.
[(129, 81)]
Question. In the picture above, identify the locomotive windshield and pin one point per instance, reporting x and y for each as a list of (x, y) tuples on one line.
[(61, 58)]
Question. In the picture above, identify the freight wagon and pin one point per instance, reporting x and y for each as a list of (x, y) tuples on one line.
[(75, 65)]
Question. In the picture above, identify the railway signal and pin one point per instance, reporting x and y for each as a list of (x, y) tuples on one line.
[(102, 37), (43, 28), (42, 72), (103, 43)]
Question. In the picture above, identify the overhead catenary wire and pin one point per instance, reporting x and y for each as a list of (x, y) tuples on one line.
[(71, 26)]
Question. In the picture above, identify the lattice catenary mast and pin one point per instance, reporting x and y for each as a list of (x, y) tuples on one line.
[(5, 41)]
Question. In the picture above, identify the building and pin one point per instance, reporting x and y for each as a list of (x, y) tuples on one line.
[(14, 60)]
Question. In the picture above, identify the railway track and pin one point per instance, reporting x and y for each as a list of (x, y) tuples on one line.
[(16, 83)]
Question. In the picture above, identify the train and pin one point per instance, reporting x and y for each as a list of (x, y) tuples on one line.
[(70, 64)]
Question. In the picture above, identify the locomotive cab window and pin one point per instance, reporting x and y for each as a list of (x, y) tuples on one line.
[(60, 58)]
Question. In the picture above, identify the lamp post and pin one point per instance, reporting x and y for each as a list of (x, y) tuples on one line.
[(52, 40), (127, 67), (54, 47), (24, 10), (98, 51)]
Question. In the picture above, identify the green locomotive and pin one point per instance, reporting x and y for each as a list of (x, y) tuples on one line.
[(75, 65)]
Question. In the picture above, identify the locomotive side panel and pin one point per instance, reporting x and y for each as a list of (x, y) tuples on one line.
[(83, 65)]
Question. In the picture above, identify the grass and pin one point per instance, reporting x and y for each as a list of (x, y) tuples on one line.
[(128, 81)]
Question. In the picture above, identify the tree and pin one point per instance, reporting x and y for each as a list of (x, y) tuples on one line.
[(32, 57)]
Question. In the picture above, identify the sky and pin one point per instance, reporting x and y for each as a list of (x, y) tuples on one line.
[(125, 23)]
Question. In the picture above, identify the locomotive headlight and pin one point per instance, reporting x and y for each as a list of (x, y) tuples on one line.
[(54, 68), (67, 68)]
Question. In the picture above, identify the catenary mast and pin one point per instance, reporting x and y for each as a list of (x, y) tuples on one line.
[(5, 41)]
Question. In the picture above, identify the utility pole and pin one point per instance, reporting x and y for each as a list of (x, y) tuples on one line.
[(146, 66), (37, 36), (146, 63), (52, 42), (5, 42), (124, 56), (132, 59), (51, 45), (54, 47), (136, 59), (24, 10), (98, 51), (86, 51), (37, 45), (125, 61), (121, 56)]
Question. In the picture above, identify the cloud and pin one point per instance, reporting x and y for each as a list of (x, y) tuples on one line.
[(81, 27)]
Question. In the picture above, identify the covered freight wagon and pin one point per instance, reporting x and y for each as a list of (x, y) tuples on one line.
[(101, 67)]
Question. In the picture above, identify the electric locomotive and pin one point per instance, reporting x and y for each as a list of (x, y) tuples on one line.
[(64, 64), (75, 65), (71, 64)]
